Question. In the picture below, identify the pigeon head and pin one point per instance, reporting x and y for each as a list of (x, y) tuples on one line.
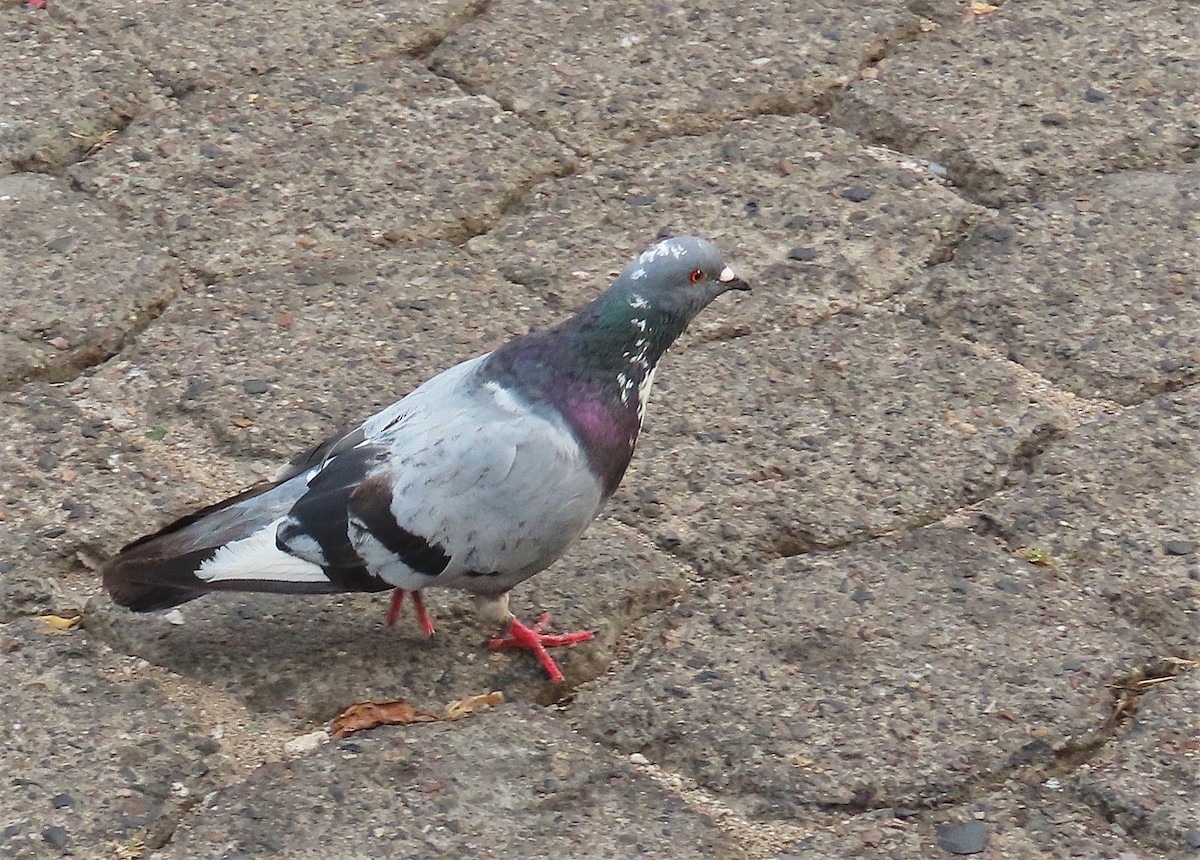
[(676, 279)]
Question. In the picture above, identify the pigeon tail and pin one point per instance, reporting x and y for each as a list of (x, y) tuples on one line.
[(229, 546)]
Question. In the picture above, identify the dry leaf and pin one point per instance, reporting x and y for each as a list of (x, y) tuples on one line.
[(467, 707), (368, 715), (242, 422), (982, 8), (59, 624)]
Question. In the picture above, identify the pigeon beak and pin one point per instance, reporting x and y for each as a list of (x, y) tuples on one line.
[(732, 281)]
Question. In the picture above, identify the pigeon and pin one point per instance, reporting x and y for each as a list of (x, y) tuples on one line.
[(478, 479)]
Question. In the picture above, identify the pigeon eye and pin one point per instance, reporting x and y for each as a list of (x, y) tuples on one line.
[(696, 276)]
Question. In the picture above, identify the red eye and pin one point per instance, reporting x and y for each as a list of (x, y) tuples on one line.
[(696, 276)]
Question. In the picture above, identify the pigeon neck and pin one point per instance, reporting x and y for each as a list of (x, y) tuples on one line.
[(622, 330), (595, 370)]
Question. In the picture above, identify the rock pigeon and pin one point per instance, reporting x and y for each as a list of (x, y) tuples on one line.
[(478, 479)]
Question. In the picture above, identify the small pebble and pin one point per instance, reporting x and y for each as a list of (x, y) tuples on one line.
[(803, 255), (174, 617), (55, 836), (1179, 547), (62, 801), (306, 743), (638, 758), (858, 194), (255, 386), (996, 233), (970, 837)]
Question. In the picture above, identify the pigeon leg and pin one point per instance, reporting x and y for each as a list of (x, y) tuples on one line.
[(533, 639), (397, 604), (422, 613), (418, 604)]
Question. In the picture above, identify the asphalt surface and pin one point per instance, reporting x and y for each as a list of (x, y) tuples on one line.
[(907, 564)]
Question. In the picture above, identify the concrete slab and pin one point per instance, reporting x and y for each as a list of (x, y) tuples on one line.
[(774, 445), (815, 221), (77, 283), (899, 672), (95, 758), (510, 783), (1031, 97), (1147, 783), (1039, 285), (204, 46), (1022, 818), (64, 92), (78, 479), (612, 73), (1115, 508), (339, 160)]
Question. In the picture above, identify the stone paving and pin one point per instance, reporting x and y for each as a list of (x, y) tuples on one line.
[(908, 561)]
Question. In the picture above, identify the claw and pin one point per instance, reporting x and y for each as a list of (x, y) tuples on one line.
[(535, 640)]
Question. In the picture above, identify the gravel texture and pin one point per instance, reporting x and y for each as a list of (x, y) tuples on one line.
[(906, 563)]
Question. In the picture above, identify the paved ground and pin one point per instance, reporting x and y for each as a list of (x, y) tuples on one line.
[(908, 563)]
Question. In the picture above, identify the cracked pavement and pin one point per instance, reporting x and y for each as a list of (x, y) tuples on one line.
[(907, 563)]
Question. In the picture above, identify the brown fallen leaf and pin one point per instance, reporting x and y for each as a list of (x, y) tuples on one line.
[(369, 715), (467, 707), (59, 624), (242, 422)]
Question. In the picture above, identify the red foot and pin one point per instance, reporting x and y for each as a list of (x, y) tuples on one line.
[(393, 613), (533, 639)]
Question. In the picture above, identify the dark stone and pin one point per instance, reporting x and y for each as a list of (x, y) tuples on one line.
[(56, 837), (858, 194), (996, 233), (804, 255), (861, 595), (255, 386), (970, 837), (1054, 119), (1179, 547), (1093, 95), (641, 200), (1192, 838), (798, 222), (90, 431), (59, 801), (195, 387), (47, 461), (11, 831)]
